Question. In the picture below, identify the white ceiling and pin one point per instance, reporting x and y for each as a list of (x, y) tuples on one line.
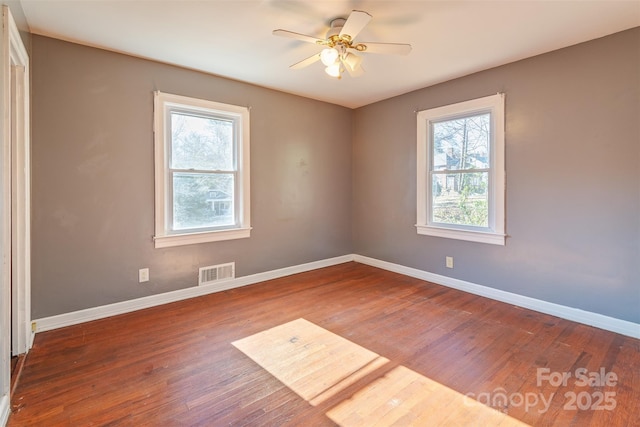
[(232, 38)]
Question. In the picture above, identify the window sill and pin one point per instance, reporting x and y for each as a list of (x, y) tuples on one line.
[(471, 236), (203, 237)]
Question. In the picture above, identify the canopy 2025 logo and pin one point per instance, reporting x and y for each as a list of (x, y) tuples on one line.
[(594, 400)]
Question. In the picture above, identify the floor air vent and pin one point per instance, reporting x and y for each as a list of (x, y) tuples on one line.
[(215, 273)]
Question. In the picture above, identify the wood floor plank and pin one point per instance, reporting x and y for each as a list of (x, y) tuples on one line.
[(176, 364)]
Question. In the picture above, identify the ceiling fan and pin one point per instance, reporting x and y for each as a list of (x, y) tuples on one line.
[(339, 46)]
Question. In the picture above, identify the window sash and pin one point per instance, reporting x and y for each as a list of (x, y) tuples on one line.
[(457, 117), (432, 151), (171, 203), (436, 209), (183, 111), (170, 225)]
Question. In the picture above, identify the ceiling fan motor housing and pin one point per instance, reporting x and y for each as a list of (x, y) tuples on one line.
[(344, 42), (335, 26)]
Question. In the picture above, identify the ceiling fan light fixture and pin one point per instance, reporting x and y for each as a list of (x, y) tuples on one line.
[(333, 70), (352, 61), (329, 56)]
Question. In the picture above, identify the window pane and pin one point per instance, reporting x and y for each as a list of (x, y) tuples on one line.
[(202, 143), (461, 199), (462, 143), (202, 200)]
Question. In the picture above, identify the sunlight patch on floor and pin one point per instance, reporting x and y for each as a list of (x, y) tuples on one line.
[(317, 364), (311, 361), (405, 398)]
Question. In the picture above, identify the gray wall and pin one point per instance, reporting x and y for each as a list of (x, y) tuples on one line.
[(573, 179), (92, 196)]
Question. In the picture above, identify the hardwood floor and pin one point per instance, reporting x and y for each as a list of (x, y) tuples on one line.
[(175, 365)]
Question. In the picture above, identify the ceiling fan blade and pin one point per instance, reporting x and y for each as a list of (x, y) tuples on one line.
[(297, 36), (355, 23), (387, 48), (306, 62)]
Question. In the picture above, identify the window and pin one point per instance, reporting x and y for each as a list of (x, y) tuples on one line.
[(461, 179), (201, 171)]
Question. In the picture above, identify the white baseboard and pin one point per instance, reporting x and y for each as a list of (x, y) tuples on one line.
[(31, 338), (95, 313), (593, 319), (619, 326), (5, 410)]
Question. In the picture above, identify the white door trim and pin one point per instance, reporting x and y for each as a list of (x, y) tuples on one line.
[(21, 185), (15, 184)]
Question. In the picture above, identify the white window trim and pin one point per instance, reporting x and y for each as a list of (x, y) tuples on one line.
[(163, 238), (495, 233)]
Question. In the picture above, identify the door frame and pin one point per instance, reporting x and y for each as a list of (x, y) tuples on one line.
[(15, 208)]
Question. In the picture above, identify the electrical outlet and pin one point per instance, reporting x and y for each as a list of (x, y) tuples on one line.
[(449, 262), (143, 275)]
